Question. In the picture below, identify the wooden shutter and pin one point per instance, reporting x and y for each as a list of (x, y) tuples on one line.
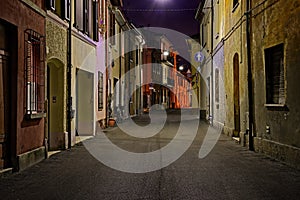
[(66, 9), (79, 14), (51, 5), (275, 77), (95, 21)]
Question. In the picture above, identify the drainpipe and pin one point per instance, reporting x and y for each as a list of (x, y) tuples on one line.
[(69, 80), (212, 65), (250, 87)]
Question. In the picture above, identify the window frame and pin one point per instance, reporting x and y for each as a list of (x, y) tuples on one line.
[(34, 70), (51, 5), (86, 13), (66, 11), (270, 84), (235, 4), (100, 91)]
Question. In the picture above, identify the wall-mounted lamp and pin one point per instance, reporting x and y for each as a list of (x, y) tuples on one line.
[(166, 53)]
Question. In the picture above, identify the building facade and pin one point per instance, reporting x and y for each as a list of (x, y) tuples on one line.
[(275, 57), (254, 46), (56, 84), (22, 85), (211, 65)]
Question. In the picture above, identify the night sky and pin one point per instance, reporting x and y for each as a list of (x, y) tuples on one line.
[(182, 21)]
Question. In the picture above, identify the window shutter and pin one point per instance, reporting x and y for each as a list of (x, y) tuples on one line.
[(51, 5), (86, 17), (79, 15), (95, 21), (66, 9), (112, 28), (275, 78)]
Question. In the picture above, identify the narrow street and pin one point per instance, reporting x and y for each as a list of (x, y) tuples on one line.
[(228, 172)]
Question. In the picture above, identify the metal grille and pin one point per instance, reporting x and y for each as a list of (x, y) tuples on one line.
[(34, 72)]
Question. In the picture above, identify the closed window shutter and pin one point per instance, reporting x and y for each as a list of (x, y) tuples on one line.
[(95, 21), (275, 78), (79, 15), (86, 17), (112, 28), (51, 5), (66, 9)]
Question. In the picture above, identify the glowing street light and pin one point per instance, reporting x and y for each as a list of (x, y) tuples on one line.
[(166, 53)]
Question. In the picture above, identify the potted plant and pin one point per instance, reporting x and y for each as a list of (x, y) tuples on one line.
[(111, 120)]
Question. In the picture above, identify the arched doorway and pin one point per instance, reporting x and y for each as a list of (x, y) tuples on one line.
[(56, 102), (236, 93)]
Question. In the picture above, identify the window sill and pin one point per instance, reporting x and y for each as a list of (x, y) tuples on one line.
[(36, 116), (275, 105)]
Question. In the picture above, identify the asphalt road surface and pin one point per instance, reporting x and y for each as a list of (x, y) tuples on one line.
[(229, 171)]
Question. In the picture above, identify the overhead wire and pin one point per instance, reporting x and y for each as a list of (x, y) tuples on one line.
[(159, 10)]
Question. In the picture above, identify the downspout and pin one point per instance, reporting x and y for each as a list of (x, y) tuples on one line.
[(69, 79), (250, 87), (46, 110), (212, 64)]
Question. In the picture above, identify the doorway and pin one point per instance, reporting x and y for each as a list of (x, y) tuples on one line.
[(8, 91), (55, 95), (84, 103), (236, 93)]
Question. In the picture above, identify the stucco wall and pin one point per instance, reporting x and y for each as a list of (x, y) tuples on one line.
[(30, 133), (235, 43), (277, 22)]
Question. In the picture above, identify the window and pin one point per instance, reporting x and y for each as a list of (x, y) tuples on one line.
[(95, 21), (217, 20), (235, 5), (274, 63), (136, 55), (203, 42), (66, 10), (86, 16), (112, 28), (100, 91), (34, 72), (51, 5), (78, 15), (217, 74)]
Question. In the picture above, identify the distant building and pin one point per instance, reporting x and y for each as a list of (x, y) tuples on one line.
[(165, 86), (211, 66)]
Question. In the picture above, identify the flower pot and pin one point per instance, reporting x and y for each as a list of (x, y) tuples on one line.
[(111, 122)]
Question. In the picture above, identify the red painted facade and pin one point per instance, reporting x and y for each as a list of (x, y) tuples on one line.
[(19, 134)]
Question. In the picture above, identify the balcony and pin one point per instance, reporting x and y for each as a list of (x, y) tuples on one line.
[(170, 82)]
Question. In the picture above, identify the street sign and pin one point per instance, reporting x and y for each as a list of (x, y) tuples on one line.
[(199, 57)]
